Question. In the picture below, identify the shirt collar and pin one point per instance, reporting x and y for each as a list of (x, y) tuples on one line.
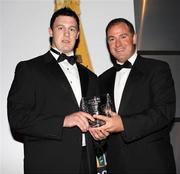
[(131, 59), (56, 56)]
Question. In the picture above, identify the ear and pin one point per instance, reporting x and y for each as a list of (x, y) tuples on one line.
[(50, 32), (77, 36), (135, 39)]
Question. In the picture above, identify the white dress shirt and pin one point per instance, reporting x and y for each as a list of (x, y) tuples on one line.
[(72, 74), (120, 81)]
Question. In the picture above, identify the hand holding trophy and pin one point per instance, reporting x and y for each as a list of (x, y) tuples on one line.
[(98, 105)]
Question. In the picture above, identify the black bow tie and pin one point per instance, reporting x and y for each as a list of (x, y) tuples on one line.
[(62, 57), (118, 67)]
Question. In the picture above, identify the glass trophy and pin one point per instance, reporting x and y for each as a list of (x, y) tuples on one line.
[(98, 105)]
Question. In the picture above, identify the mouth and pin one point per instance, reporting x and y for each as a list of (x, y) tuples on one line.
[(120, 50), (66, 41)]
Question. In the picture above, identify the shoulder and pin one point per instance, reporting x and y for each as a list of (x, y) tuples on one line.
[(151, 68), (36, 60), (150, 64), (86, 70), (33, 62), (107, 74), (153, 61)]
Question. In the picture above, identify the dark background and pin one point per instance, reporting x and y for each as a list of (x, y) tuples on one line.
[(158, 28)]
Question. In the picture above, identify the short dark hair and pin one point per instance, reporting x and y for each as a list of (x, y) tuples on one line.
[(120, 20), (65, 11)]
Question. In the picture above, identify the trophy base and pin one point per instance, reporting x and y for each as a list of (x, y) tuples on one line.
[(96, 123)]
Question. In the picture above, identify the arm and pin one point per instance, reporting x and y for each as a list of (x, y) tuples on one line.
[(27, 111), (158, 114), (23, 115)]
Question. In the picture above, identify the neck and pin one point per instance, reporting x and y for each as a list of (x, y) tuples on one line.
[(71, 53)]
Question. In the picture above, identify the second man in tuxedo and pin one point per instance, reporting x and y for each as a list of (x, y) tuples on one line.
[(144, 98)]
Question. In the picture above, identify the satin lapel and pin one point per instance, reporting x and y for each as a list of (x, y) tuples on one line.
[(131, 86), (83, 75), (58, 75), (109, 85)]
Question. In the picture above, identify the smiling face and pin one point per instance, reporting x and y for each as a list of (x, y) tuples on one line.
[(121, 42), (64, 33)]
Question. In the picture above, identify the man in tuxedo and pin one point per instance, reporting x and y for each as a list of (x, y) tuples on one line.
[(44, 100), (143, 93)]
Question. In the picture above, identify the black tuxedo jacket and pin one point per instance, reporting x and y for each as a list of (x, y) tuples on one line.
[(147, 109), (39, 99)]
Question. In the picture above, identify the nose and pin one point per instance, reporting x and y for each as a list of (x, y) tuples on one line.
[(118, 43), (66, 32)]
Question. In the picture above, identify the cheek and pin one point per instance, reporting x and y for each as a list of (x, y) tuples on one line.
[(111, 49), (111, 46), (130, 46), (129, 42), (73, 40), (57, 39)]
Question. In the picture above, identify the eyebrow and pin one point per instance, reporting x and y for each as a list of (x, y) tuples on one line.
[(59, 25)]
